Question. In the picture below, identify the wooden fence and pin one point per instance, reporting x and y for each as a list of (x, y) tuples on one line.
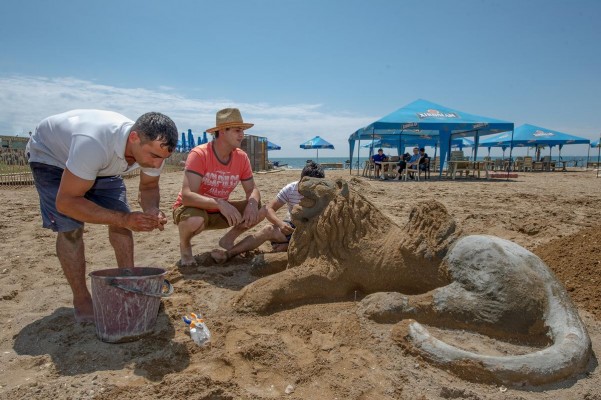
[(14, 169)]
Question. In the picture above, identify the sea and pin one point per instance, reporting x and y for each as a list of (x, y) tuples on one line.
[(299, 162)]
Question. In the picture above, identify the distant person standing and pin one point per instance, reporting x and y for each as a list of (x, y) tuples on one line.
[(77, 159), (212, 172)]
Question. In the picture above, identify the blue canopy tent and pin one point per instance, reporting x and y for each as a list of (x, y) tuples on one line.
[(273, 146), (317, 143), (423, 117), (533, 136)]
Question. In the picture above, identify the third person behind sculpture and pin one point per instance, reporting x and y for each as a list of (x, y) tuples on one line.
[(279, 231)]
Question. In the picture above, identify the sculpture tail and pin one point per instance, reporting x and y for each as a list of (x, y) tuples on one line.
[(568, 355)]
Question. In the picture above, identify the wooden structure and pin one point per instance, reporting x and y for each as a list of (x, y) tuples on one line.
[(14, 142), (256, 148)]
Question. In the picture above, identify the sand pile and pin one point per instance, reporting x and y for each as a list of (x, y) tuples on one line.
[(576, 260)]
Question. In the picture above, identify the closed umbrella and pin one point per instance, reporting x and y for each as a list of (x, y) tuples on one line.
[(191, 140), (184, 147), (317, 143)]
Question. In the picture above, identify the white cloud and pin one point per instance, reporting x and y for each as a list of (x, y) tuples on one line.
[(25, 100)]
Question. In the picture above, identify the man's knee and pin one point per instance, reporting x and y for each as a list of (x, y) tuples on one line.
[(193, 225), (72, 236)]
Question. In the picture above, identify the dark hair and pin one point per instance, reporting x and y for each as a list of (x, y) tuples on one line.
[(422, 149), (313, 170), (379, 150), (156, 126)]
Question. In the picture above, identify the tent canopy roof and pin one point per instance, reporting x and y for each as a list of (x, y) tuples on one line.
[(532, 135), (424, 117)]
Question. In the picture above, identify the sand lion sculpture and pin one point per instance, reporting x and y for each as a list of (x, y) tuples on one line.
[(427, 272)]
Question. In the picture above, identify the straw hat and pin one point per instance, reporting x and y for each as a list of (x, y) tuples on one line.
[(229, 118)]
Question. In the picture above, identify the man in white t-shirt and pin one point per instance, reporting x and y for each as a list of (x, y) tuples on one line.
[(279, 231), (77, 159)]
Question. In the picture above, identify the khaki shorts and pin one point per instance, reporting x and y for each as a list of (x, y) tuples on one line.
[(213, 220)]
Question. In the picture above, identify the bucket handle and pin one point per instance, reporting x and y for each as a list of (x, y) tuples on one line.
[(166, 283)]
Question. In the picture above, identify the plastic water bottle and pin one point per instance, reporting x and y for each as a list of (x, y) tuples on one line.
[(199, 332)]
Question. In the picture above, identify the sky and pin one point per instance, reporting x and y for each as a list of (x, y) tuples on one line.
[(301, 68)]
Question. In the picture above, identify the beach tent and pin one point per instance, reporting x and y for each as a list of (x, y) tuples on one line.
[(317, 143), (532, 136), (423, 117), (273, 146)]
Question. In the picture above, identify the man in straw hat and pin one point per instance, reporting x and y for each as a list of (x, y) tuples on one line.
[(77, 159), (212, 172)]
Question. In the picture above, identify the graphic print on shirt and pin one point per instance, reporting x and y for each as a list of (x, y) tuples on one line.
[(219, 184)]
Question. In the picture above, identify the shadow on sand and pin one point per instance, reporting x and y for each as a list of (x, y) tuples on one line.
[(75, 349)]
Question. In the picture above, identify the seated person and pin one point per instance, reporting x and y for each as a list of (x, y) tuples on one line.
[(377, 159), (279, 231), (402, 164), (424, 161), (413, 161)]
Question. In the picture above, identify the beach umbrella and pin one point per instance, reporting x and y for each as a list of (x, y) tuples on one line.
[(184, 147), (199, 141), (204, 138), (273, 146), (191, 140), (317, 143)]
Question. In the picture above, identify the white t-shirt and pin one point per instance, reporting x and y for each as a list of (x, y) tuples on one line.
[(90, 143), (291, 196)]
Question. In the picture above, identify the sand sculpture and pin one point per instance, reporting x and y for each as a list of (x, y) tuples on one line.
[(428, 272)]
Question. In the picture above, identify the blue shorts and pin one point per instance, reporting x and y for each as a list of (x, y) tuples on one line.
[(107, 192)]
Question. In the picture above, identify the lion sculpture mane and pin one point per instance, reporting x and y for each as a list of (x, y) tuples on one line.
[(427, 273)]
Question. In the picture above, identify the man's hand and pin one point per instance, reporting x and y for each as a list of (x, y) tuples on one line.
[(142, 222), (231, 214), (251, 214), (162, 218), (286, 229)]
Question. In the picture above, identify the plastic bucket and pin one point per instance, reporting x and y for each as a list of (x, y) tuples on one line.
[(126, 302)]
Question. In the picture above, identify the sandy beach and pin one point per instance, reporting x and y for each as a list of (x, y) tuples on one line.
[(316, 351)]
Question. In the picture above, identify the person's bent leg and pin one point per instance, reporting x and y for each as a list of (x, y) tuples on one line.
[(122, 241), (227, 241), (250, 242), (71, 254), (188, 228)]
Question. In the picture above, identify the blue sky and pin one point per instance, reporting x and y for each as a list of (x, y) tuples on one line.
[(303, 68)]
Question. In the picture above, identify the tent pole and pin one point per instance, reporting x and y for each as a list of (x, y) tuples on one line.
[(588, 155), (358, 159), (598, 155), (510, 155)]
